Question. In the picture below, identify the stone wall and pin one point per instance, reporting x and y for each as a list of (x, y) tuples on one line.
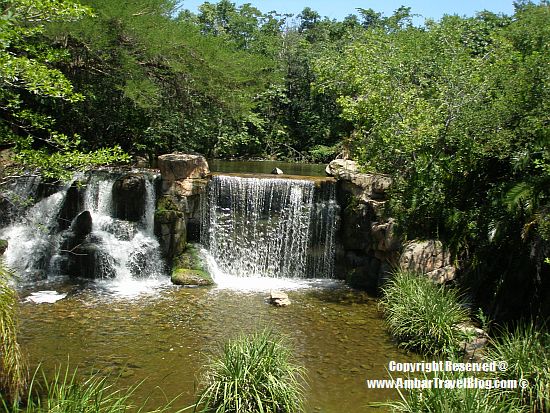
[(370, 249)]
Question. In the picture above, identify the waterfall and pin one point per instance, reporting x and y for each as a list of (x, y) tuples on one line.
[(269, 227), (32, 239), (118, 249), (129, 249)]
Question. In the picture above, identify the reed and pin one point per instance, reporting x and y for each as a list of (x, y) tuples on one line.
[(252, 374), (13, 371), (424, 316)]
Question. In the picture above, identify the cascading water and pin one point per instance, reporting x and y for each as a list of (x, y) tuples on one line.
[(32, 238), (129, 249), (268, 227), (120, 250)]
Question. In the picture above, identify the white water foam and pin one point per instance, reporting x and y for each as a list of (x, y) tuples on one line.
[(46, 296), (225, 281)]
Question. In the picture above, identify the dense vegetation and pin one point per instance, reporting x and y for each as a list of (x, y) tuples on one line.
[(456, 110)]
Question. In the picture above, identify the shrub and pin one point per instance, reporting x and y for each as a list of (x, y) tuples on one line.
[(526, 349), (422, 315), (253, 374)]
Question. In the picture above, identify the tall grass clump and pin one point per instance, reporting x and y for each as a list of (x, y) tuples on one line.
[(253, 374), (68, 392), (13, 372), (526, 349), (452, 400), (422, 315)]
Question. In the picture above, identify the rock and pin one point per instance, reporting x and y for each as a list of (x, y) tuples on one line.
[(179, 166), (186, 187), (384, 237), (279, 299), (277, 171), (473, 347), (170, 227), (427, 257), (188, 269), (141, 162), (3, 246), (72, 205), (342, 169), (190, 277), (129, 195), (87, 260), (82, 225)]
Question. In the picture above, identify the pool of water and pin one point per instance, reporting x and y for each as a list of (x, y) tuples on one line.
[(165, 335), (265, 167)]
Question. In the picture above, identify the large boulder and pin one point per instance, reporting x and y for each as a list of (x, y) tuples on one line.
[(429, 257), (129, 196), (367, 188), (180, 166)]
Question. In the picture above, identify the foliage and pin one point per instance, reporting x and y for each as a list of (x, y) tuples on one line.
[(30, 82), (13, 371), (526, 349), (422, 315), (456, 112), (252, 374)]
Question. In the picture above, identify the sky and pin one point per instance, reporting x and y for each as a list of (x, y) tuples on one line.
[(338, 9)]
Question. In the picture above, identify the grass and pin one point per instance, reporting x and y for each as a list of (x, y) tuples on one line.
[(526, 349), (424, 316), (66, 392), (13, 371), (463, 400), (252, 374)]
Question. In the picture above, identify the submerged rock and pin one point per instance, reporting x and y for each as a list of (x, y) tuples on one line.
[(279, 299)]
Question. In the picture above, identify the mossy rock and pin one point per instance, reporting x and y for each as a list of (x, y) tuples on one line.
[(186, 276), (167, 203), (3, 246), (188, 269)]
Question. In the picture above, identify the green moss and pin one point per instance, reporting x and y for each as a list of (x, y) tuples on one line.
[(167, 203), (185, 276), (189, 269)]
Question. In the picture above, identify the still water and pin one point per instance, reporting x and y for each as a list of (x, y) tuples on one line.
[(265, 167), (166, 335)]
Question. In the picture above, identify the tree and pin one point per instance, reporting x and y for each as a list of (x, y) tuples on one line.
[(28, 79)]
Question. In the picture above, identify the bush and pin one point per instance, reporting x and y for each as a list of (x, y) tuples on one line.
[(253, 374), (422, 315), (526, 349)]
